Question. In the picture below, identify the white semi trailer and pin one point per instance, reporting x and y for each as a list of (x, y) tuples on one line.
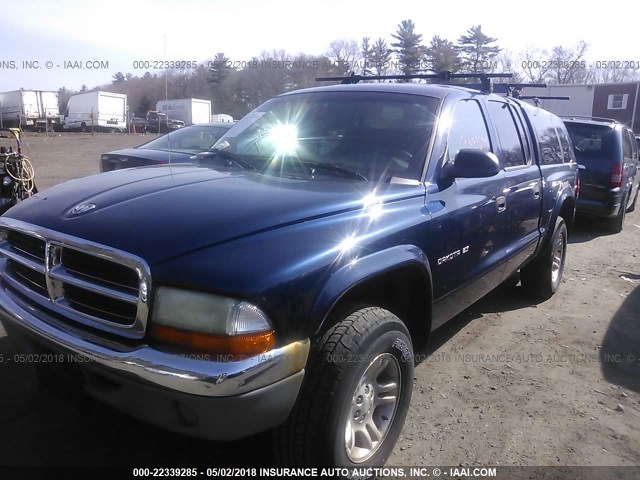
[(29, 109)]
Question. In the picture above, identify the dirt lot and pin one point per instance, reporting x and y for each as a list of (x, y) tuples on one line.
[(64, 156), (508, 382)]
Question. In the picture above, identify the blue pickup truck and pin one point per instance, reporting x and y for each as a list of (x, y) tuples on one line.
[(284, 281)]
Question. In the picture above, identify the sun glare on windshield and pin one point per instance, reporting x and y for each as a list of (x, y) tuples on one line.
[(284, 138)]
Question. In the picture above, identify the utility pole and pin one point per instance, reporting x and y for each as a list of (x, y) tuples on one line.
[(166, 89)]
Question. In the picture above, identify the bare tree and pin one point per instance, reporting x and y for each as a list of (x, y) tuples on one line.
[(306, 69), (507, 62), (534, 65), (118, 78), (567, 64), (181, 82), (609, 74), (561, 65), (344, 54)]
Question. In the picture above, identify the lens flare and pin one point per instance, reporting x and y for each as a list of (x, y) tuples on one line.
[(372, 206), (284, 138), (347, 244)]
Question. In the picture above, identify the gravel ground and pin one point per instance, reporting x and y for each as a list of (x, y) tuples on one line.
[(507, 382)]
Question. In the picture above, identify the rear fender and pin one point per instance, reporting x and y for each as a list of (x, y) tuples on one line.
[(564, 205)]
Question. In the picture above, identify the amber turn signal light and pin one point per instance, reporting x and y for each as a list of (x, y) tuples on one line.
[(237, 346)]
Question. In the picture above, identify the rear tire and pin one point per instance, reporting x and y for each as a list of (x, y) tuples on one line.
[(355, 396), (632, 208), (543, 275), (616, 224)]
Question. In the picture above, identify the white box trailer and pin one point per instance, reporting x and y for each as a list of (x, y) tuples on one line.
[(580, 99), (190, 110), (29, 109), (221, 118), (104, 111)]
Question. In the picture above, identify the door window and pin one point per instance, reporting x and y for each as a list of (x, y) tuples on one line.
[(510, 141), (468, 129)]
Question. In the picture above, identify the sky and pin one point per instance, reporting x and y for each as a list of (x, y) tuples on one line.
[(112, 35)]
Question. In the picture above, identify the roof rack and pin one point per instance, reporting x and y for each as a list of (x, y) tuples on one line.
[(598, 119), (537, 99), (445, 76), (509, 89), (542, 97)]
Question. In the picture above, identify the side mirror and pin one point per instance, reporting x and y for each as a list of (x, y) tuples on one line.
[(472, 163)]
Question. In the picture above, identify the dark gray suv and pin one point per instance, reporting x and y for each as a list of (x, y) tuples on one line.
[(607, 155)]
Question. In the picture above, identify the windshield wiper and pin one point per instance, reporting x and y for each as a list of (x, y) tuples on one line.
[(335, 169), (230, 159)]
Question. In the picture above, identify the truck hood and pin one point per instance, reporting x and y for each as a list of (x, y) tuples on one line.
[(161, 212)]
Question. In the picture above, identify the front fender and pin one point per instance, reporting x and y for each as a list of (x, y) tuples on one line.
[(361, 270)]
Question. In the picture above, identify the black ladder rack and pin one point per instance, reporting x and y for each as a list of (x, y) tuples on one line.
[(446, 76), (536, 99)]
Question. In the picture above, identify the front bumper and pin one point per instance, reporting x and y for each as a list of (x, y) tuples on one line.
[(191, 395)]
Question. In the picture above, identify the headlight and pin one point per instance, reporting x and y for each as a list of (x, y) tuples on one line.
[(210, 323)]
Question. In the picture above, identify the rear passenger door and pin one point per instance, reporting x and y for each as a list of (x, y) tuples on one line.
[(554, 151), (464, 246), (522, 185)]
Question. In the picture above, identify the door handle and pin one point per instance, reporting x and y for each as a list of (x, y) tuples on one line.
[(536, 191), (501, 203)]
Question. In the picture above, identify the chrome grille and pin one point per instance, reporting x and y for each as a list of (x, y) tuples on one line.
[(82, 281)]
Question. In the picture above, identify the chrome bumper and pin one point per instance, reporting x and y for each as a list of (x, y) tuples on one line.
[(184, 374)]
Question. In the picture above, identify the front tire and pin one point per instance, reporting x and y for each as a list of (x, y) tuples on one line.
[(355, 397), (543, 275)]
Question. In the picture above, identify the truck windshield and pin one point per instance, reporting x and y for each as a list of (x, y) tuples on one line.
[(356, 136)]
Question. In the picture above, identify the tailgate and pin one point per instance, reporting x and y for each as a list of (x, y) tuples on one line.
[(597, 148), (595, 177)]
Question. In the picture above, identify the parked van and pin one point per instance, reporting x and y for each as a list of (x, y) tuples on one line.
[(607, 155), (104, 111)]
